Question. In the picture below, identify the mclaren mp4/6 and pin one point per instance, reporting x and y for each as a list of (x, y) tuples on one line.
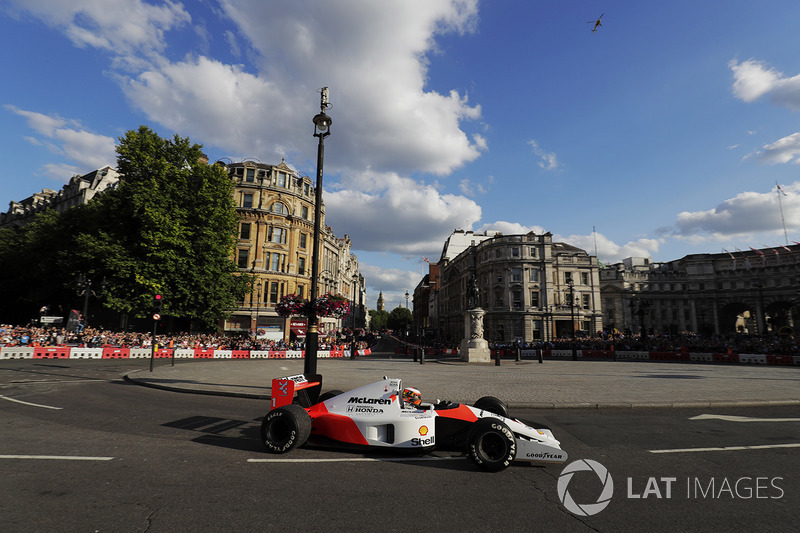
[(384, 415)]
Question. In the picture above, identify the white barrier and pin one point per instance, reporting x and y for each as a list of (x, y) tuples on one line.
[(223, 354), (638, 355), (753, 358), (561, 353), (184, 353), (703, 357), (295, 354), (259, 354), (139, 353), (16, 352), (86, 353)]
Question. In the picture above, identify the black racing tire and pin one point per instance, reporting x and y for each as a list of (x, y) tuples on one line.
[(491, 445), (285, 428), (493, 405), (328, 395)]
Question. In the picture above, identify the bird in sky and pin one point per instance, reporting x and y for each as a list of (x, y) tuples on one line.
[(596, 23)]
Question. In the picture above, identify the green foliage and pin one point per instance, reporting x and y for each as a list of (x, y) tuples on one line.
[(399, 319), (378, 320), (168, 228)]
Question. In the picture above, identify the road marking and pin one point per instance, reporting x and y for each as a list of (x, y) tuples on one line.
[(729, 448), (354, 460), (57, 457), (28, 403), (734, 418)]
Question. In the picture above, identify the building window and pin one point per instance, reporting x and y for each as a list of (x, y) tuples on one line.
[(277, 235), (250, 176), (533, 251), (585, 278), (304, 212), (247, 200), (534, 275), (303, 238), (516, 274), (567, 277), (242, 258), (499, 276), (518, 328), (586, 301), (514, 251), (281, 179), (277, 262), (301, 291), (306, 189), (273, 292), (279, 209), (500, 334), (301, 265), (498, 298), (534, 298), (517, 296), (244, 233), (497, 253)]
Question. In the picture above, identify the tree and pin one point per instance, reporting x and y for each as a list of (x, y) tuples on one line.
[(399, 319), (378, 319), (169, 229)]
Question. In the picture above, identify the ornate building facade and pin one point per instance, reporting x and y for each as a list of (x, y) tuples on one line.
[(275, 245), (78, 191), (531, 288), (754, 292)]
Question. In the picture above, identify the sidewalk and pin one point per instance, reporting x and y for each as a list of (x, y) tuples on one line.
[(524, 384)]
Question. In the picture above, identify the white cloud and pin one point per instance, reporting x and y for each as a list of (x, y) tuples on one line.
[(748, 213), (784, 150), (607, 250), (122, 27), (395, 214), (548, 160), (510, 228), (87, 150), (753, 79)]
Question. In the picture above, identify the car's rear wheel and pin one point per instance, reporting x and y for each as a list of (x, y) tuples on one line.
[(491, 445), (493, 405), (328, 395), (285, 428)]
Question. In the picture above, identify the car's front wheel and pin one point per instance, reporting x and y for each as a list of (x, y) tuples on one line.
[(491, 445), (285, 428), (493, 405)]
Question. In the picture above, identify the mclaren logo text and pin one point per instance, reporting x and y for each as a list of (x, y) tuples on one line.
[(379, 401)]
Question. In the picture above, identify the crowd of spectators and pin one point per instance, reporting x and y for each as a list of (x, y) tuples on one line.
[(100, 338)]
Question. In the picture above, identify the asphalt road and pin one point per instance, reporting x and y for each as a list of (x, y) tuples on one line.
[(82, 450)]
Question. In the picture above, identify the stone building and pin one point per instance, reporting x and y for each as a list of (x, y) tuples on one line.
[(752, 292), (78, 191), (275, 244), (531, 288)]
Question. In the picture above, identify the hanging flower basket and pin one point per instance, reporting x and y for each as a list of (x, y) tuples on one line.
[(332, 305), (329, 305), (290, 305)]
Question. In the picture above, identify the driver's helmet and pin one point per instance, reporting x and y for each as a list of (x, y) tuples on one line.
[(412, 396)]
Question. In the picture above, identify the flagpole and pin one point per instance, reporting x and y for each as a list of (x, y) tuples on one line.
[(780, 205)]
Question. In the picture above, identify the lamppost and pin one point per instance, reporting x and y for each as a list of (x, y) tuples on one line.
[(571, 290), (406, 298), (322, 124), (84, 288), (258, 305)]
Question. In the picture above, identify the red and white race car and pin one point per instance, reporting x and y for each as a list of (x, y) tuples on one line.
[(384, 415)]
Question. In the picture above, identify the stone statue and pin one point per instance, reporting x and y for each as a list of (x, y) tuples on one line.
[(476, 327), (473, 294)]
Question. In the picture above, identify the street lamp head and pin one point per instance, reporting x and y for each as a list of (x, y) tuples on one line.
[(321, 123)]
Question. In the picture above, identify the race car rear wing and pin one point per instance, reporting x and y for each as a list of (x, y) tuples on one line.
[(307, 389)]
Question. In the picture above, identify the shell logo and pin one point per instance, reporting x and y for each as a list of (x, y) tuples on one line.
[(423, 430)]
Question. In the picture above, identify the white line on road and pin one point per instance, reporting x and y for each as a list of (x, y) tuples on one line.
[(28, 403), (57, 457), (734, 418), (353, 460), (729, 448)]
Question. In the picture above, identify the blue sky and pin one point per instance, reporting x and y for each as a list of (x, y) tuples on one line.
[(665, 131)]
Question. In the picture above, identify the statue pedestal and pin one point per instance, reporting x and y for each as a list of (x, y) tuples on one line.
[(474, 349)]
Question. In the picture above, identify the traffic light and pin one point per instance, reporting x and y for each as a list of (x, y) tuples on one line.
[(159, 304)]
